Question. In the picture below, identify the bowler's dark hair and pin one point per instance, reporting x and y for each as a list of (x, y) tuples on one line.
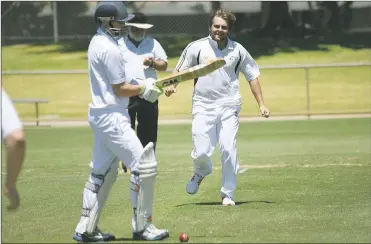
[(225, 14)]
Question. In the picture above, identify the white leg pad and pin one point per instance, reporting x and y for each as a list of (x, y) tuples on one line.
[(147, 178), (95, 195)]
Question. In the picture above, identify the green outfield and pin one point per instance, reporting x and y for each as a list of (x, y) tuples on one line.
[(35, 57), (332, 90), (308, 181)]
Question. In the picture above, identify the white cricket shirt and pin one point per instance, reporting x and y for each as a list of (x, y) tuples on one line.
[(134, 57), (9, 117), (220, 87), (106, 67)]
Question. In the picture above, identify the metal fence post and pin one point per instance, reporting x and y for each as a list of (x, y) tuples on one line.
[(55, 22), (37, 113), (308, 91)]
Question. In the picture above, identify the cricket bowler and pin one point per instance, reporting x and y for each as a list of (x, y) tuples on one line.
[(15, 147), (217, 102)]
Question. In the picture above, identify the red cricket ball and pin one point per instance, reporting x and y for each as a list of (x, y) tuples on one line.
[(183, 237)]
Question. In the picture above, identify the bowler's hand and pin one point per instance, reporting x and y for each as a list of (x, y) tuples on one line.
[(264, 111), (170, 90), (13, 196), (148, 62)]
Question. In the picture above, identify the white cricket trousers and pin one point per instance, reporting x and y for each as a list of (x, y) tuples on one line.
[(212, 126), (114, 139)]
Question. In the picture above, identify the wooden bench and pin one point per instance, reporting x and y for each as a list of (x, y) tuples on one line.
[(36, 101)]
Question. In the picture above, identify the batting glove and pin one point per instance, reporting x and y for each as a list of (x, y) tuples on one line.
[(149, 91)]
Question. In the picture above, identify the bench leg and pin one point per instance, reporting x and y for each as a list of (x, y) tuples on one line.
[(37, 113)]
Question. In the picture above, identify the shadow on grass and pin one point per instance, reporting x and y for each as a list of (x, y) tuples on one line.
[(256, 44), (124, 239), (219, 203), (214, 235)]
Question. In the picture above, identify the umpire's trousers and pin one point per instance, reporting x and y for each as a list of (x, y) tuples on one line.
[(146, 113)]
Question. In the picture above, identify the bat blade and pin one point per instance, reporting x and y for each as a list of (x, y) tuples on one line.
[(191, 73)]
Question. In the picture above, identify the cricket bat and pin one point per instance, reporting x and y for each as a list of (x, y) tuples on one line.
[(191, 73)]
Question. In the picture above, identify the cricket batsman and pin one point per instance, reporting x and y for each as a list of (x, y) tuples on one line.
[(114, 139), (217, 102)]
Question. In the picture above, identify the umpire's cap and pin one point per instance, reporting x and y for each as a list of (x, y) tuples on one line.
[(139, 21), (114, 10)]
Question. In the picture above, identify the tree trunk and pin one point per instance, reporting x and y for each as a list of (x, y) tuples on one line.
[(276, 17), (137, 7), (215, 5), (315, 18), (264, 13), (330, 19)]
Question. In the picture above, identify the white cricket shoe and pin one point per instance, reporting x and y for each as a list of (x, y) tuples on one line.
[(96, 236), (194, 183), (151, 233), (227, 201)]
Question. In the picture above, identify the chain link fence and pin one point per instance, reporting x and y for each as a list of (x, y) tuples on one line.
[(38, 22), (176, 23)]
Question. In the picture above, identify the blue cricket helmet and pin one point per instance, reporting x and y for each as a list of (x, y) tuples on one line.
[(112, 11)]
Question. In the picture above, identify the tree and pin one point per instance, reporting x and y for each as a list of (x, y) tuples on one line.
[(68, 16), (330, 20), (21, 18), (6, 7), (276, 18), (215, 5), (136, 6), (314, 16)]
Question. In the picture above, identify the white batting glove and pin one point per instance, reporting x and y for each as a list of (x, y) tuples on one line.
[(150, 92)]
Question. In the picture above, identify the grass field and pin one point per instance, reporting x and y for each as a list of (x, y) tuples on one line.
[(284, 91), (49, 57), (335, 90), (308, 181)]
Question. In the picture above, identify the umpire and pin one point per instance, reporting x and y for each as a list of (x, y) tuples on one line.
[(143, 56)]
